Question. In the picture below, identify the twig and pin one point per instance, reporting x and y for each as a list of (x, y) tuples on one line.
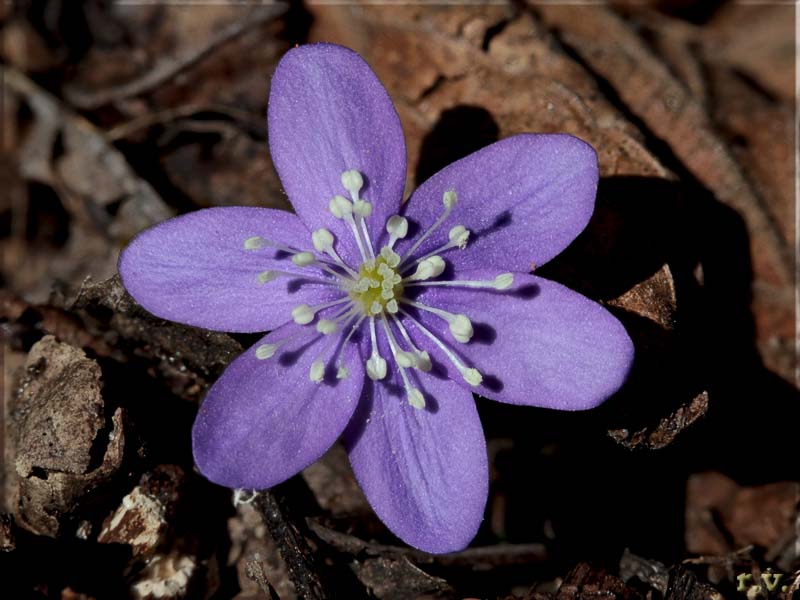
[(242, 117), (169, 67), (255, 573), (292, 546)]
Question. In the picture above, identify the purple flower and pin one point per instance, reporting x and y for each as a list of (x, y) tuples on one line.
[(384, 318)]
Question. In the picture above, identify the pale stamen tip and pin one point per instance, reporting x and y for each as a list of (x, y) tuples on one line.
[(376, 368), (322, 239), (504, 281), (397, 226), (461, 328), (267, 276), (416, 399), (352, 180), (327, 327), (362, 208), (303, 259), (254, 243), (433, 266), (265, 351), (340, 207), (449, 199), (473, 377), (317, 371), (342, 373), (459, 236), (302, 315)]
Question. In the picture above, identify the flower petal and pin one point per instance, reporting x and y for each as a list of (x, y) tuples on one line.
[(194, 269), (265, 420), (524, 199), (424, 472), (538, 343), (328, 113)]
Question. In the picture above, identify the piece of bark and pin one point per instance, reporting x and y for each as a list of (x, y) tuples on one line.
[(684, 585), (396, 578), (143, 518), (189, 359), (585, 582), (255, 554), (65, 440), (650, 572), (166, 576)]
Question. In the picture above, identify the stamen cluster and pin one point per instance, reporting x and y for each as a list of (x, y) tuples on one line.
[(375, 291)]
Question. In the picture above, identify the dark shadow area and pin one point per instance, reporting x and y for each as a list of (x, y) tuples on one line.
[(460, 131)]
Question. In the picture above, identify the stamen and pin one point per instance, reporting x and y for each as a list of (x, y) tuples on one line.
[(460, 325), (501, 282), (423, 358), (458, 239), (273, 274), (303, 314), (254, 243), (352, 182), (317, 371), (432, 266), (471, 376), (341, 371), (323, 242), (458, 236), (303, 259), (340, 206), (365, 231), (397, 228), (265, 351), (449, 199), (329, 326), (376, 365), (404, 360)]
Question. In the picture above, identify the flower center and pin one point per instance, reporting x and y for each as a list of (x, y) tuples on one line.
[(379, 287), (375, 292)]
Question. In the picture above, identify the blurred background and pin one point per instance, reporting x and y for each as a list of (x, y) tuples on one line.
[(117, 115)]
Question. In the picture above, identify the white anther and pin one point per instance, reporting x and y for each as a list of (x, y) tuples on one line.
[(397, 228), (450, 199), (362, 208), (254, 243), (303, 314), (376, 367), (303, 259), (340, 207), (392, 307), (323, 240), (327, 326), (504, 281), (317, 371), (267, 276), (459, 235), (415, 398), (352, 182), (391, 257), (461, 328), (433, 266), (342, 372), (424, 361), (375, 308), (473, 377), (406, 359), (265, 351)]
